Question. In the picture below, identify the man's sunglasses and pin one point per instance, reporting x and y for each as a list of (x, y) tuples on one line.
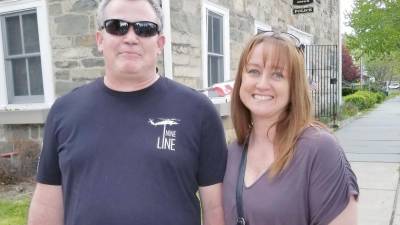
[(279, 35), (121, 27)]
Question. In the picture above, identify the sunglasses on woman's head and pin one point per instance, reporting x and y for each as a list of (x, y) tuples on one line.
[(121, 27), (296, 41)]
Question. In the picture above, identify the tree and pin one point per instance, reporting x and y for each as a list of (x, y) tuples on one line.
[(350, 71), (383, 69), (376, 25)]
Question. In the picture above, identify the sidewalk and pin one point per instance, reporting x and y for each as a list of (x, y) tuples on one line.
[(372, 145)]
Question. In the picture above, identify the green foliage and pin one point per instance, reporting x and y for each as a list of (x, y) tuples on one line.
[(364, 99), (376, 25), (14, 212), (370, 98), (357, 100), (348, 91), (386, 68), (380, 96), (348, 109)]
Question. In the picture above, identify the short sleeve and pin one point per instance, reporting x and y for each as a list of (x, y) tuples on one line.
[(332, 181), (213, 149), (48, 167)]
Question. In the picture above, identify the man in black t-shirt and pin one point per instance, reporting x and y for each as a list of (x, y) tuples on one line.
[(132, 147)]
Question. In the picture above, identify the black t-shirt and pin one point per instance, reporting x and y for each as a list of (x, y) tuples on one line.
[(132, 157)]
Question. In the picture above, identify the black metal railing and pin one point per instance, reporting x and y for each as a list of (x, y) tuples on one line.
[(322, 68)]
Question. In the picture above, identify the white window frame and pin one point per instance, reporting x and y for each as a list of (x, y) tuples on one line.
[(167, 33), (10, 6), (224, 12), (261, 26)]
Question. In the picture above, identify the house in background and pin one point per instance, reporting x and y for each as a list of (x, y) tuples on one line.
[(47, 48)]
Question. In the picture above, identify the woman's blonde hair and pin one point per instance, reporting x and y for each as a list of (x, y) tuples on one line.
[(298, 113)]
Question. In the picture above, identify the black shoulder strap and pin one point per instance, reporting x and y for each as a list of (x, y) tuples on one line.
[(240, 185)]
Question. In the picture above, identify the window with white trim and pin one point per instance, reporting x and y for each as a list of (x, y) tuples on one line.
[(215, 72), (215, 44), (22, 61), (25, 62)]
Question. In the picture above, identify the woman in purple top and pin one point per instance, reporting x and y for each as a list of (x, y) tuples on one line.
[(294, 172)]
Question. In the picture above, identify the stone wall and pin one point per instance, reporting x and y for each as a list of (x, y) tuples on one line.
[(76, 61), (323, 24), (74, 52), (11, 134)]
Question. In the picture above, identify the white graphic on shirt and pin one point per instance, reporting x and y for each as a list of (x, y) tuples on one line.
[(167, 141)]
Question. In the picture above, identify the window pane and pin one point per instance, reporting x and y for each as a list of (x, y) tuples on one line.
[(210, 32), (18, 67), (31, 36), (35, 76), (217, 34), (13, 35), (215, 69)]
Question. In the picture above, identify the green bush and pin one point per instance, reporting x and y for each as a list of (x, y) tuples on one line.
[(370, 98), (364, 99), (348, 91), (358, 100), (380, 96), (348, 109)]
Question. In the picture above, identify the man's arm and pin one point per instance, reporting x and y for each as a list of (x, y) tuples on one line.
[(348, 216), (211, 202), (46, 206)]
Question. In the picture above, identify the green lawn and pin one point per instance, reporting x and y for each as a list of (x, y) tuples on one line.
[(14, 212)]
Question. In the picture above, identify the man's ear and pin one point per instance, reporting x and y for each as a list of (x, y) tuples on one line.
[(99, 41), (160, 43)]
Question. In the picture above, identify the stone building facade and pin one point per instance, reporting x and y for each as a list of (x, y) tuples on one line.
[(204, 41)]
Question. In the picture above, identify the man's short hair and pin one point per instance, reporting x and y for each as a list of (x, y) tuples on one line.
[(154, 4)]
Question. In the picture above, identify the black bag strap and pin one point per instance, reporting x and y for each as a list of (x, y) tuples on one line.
[(240, 184)]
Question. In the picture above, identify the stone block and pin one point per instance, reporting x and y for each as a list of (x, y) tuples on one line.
[(86, 40), (93, 62), (63, 87), (72, 53), (84, 5), (175, 5), (95, 52), (6, 146), (35, 132), (80, 25), (93, 24), (2, 133), (238, 6), (182, 49), (80, 75), (55, 9), (188, 81), (66, 64), (191, 7), (17, 132), (181, 59), (185, 71), (180, 37), (62, 75), (41, 131), (61, 42)]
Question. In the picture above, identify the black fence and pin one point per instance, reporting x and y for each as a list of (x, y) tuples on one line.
[(322, 67)]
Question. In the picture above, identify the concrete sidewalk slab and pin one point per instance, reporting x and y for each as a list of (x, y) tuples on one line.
[(375, 207), (369, 175), (372, 145)]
